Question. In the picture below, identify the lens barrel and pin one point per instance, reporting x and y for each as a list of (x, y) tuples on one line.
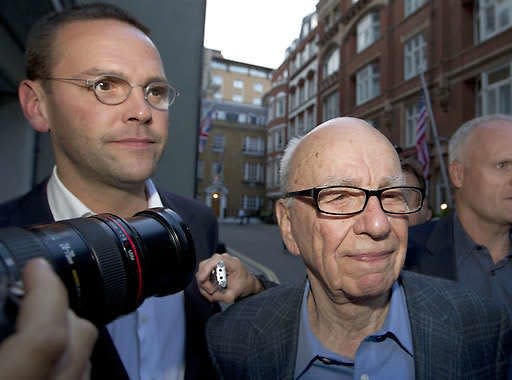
[(109, 265)]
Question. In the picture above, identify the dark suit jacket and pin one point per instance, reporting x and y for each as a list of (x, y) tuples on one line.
[(456, 334), (431, 249), (33, 209)]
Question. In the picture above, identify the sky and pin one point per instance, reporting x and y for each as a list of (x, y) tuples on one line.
[(254, 31)]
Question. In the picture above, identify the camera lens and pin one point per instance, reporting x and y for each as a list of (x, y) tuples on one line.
[(108, 264)]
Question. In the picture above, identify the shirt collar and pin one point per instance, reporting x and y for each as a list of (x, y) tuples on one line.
[(396, 324), (463, 243), (65, 205)]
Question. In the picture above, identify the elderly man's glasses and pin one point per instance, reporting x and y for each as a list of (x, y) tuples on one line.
[(113, 90), (349, 200)]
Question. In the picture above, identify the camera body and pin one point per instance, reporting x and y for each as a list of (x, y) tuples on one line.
[(109, 265)]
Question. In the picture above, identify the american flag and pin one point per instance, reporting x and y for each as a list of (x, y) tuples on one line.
[(421, 137), (204, 130)]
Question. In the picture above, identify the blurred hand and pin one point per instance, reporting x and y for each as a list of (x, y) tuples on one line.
[(241, 282), (50, 341)]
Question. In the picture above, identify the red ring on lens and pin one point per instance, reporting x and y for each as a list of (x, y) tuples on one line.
[(137, 260)]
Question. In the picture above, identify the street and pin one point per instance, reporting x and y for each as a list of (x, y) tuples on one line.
[(260, 247)]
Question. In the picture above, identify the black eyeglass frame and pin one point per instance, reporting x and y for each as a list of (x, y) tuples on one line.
[(315, 191), (91, 83)]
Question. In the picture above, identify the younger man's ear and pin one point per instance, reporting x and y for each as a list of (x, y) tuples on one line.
[(32, 101)]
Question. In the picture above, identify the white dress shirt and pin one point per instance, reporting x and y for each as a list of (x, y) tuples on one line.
[(150, 340)]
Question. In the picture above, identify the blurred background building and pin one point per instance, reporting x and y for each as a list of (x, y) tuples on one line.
[(231, 146)]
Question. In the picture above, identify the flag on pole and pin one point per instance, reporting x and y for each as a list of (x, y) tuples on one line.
[(204, 130), (421, 137)]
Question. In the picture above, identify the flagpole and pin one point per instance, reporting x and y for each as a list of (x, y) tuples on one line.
[(436, 139)]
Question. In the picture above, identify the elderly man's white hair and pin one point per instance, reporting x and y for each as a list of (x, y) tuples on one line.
[(461, 135), (284, 166)]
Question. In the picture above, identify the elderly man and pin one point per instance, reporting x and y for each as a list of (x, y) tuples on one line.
[(357, 315), (473, 245)]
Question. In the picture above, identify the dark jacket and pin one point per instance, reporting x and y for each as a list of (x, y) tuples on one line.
[(33, 209), (431, 249), (455, 333)]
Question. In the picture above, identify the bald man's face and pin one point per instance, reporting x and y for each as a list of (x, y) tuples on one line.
[(350, 257)]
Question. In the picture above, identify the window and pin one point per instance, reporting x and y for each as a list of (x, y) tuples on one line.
[(301, 94), (217, 80), (250, 202), (310, 87), (368, 30), (279, 139), (494, 17), (254, 145), (496, 93), (238, 98), (217, 96), (216, 169), (331, 63), (411, 117), (218, 143), (411, 5), (232, 116), (258, 73), (220, 115), (268, 177), (219, 66), (256, 101), (414, 56), (237, 83), (280, 105), (310, 122), (239, 69), (277, 162), (331, 106), (270, 140), (258, 87), (253, 172), (367, 83)]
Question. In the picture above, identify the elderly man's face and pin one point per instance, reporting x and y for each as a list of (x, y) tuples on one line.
[(351, 257)]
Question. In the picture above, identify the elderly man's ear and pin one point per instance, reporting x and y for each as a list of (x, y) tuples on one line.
[(283, 219), (33, 103)]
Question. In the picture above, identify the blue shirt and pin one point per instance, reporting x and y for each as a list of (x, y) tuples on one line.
[(387, 354)]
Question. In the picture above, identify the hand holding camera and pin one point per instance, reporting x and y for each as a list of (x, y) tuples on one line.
[(56, 342)]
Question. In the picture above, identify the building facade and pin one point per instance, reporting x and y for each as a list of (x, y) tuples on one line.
[(231, 159), (291, 102), (368, 63)]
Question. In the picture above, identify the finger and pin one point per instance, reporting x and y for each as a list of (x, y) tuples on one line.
[(41, 326), (206, 266), (75, 364), (46, 301)]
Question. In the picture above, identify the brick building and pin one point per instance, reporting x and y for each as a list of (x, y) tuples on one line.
[(368, 62)]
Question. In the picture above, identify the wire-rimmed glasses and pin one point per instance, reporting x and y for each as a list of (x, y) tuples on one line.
[(350, 200), (113, 90)]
